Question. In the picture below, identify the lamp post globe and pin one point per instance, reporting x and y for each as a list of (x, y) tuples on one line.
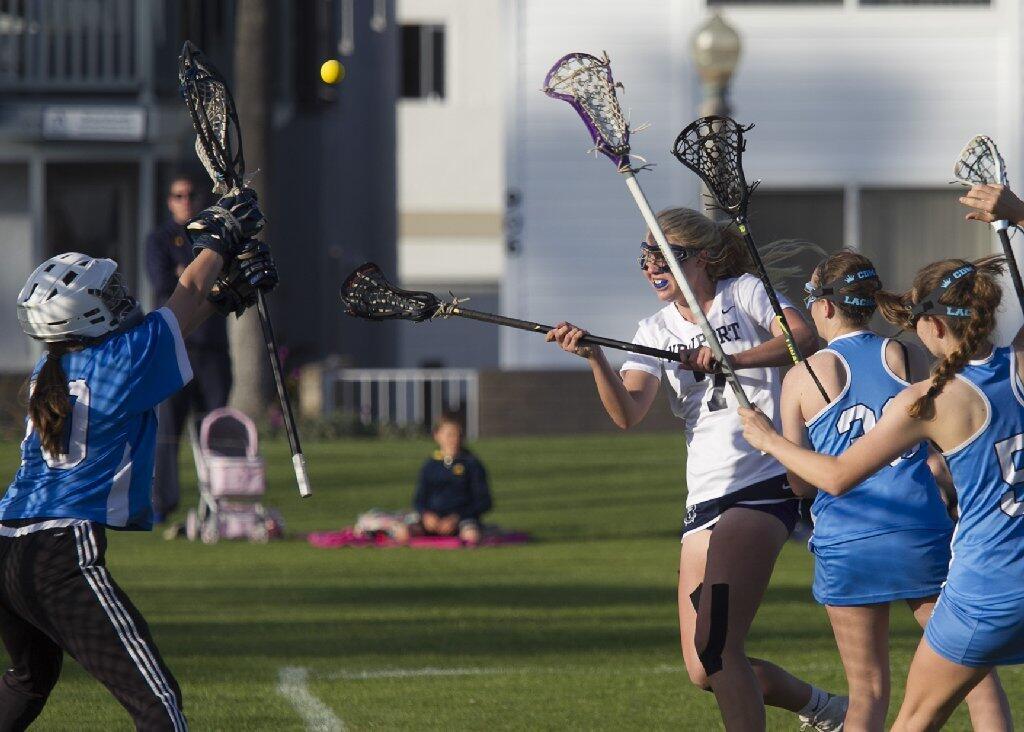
[(716, 52)]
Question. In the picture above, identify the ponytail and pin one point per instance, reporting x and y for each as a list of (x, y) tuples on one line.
[(726, 251), (50, 402), (980, 293)]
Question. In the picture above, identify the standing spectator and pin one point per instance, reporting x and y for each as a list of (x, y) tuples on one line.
[(168, 253)]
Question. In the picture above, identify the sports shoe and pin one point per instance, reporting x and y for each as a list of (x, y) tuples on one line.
[(831, 716)]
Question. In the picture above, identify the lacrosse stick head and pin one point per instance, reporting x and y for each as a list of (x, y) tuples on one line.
[(980, 163), (367, 294), (586, 83), (209, 102), (712, 147)]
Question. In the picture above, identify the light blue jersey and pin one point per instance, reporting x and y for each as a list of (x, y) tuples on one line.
[(988, 471), (107, 472), (902, 496)]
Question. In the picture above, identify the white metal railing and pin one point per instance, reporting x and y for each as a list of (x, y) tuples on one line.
[(404, 397), (70, 44)]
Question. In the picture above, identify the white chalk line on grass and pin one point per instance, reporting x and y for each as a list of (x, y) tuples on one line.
[(429, 671), (291, 684)]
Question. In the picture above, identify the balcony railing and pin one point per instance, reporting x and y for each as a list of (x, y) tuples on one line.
[(72, 45)]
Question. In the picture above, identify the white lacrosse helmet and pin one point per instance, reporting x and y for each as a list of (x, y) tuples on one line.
[(73, 297)]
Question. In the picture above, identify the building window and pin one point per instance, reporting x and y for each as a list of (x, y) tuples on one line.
[(422, 62), (903, 229)]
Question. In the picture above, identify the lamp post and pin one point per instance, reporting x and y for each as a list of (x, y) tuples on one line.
[(716, 51)]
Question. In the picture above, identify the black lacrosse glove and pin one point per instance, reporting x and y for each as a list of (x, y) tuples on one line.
[(250, 271), (227, 225)]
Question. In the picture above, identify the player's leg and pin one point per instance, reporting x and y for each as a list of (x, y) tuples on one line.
[(862, 636), (740, 558), (987, 703), (96, 623), (35, 664), (935, 687)]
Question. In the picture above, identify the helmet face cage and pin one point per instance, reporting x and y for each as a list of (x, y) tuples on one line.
[(115, 297)]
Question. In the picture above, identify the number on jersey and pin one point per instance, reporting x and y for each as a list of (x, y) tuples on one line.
[(76, 429), (1007, 451), (861, 419)]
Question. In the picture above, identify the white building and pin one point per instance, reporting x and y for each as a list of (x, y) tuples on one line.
[(861, 108), (451, 178)]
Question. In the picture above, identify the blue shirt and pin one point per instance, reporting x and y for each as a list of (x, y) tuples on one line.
[(459, 487), (901, 496), (988, 471), (107, 473)]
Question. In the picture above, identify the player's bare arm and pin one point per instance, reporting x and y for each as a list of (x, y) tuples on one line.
[(775, 352), (893, 435), (626, 398), (188, 301)]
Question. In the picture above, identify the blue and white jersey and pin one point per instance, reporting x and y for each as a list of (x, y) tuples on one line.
[(988, 471), (902, 495), (107, 472)]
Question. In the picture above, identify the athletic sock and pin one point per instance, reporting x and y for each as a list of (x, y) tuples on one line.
[(819, 699)]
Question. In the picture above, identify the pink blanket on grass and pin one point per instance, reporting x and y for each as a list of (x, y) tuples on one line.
[(347, 537)]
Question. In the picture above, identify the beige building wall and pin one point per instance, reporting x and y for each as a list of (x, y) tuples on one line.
[(451, 177)]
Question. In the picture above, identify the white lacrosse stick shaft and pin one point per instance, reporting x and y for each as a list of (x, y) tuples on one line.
[(702, 321)]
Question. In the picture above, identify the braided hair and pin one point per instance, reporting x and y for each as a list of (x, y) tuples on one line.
[(980, 292)]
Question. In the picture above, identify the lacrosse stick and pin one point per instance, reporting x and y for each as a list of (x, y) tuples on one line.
[(712, 147), (586, 83), (219, 146), (367, 294), (980, 163)]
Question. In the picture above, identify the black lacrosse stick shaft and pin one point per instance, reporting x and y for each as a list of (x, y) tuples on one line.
[(1011, 260), (229, 166), (541, 328), (773, 298)]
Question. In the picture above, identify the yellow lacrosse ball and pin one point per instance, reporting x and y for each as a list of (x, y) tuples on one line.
[(331, 71)]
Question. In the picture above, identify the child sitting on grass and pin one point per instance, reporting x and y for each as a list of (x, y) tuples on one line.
[(451, 492)]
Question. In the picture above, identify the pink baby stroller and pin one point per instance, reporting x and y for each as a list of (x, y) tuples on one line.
[(232, 480)]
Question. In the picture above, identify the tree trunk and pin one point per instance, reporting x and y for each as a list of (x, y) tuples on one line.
[(252, 389)]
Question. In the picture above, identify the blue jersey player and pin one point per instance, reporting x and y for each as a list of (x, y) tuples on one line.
[(888, 538), (972, 409), (87, 462)]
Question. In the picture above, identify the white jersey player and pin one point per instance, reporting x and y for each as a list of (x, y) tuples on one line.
[(737, 491)]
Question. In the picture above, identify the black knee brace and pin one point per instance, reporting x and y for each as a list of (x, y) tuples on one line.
[(711, 655)]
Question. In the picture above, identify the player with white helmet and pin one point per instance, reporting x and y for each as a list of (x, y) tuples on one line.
[(87, 461), (739, 509)]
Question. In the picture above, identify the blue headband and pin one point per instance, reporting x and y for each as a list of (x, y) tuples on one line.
[(831, 290), (929, 304)]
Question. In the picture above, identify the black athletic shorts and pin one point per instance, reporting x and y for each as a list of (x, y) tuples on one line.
[(772, 496)]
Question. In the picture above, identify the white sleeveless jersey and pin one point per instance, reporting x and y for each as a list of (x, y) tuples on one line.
[(718, 459)]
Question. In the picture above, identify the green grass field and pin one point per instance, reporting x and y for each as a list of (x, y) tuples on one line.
[(575, 631)]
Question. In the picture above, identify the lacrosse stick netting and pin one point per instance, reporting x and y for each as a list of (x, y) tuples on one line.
[(586, 83), (209, 102), (712, 147), (219, 147), (981, 164)]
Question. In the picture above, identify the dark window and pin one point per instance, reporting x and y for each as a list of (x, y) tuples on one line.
[(422, 62)]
